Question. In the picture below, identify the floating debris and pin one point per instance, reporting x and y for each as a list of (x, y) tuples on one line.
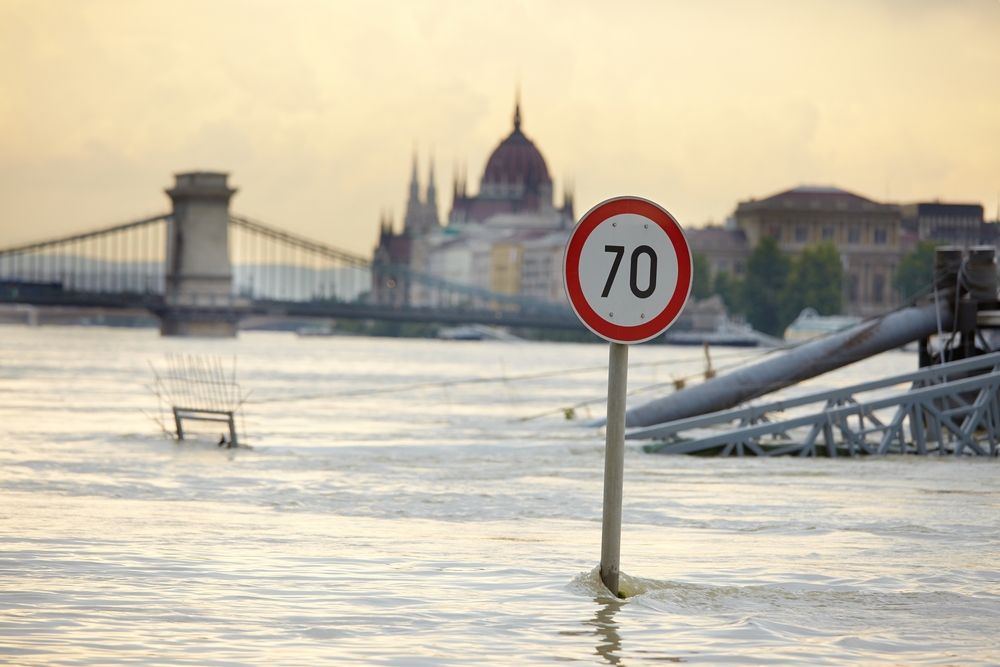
[(477, 332)]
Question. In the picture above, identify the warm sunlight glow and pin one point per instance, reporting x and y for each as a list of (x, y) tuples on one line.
[(315, 107)]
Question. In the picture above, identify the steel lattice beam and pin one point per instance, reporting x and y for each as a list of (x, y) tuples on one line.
[(945, 407)]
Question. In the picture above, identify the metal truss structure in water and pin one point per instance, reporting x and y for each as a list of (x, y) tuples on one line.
[(949, 409)]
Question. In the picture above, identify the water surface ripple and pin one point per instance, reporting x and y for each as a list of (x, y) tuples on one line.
[(431, 525)]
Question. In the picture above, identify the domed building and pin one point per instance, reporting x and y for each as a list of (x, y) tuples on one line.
[(515, 182), (507, 238)]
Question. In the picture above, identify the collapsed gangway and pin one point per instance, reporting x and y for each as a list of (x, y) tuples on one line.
[(952, 406), (938, 414)]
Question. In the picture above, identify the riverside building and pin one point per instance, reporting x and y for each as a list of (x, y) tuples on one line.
[(866, 233), (508, 237)]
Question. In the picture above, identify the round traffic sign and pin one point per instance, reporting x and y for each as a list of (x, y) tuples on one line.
[(627, 270)]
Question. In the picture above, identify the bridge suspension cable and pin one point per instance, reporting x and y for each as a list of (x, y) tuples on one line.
[(127, 258), (273, 265), (270, 264), (271, 270)]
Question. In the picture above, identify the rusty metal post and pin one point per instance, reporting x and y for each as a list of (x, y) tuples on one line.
[(177, 423)]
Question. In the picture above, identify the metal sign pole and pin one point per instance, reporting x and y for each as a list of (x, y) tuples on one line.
[(614, 467), (624, 303)]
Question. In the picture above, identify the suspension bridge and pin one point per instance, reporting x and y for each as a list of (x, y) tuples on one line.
[(200, 270)]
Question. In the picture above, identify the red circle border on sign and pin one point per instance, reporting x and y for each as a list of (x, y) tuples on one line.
[(571, 270)]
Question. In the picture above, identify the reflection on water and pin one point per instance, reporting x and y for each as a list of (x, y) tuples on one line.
[(391, 519), (609, 641), (604, 628)]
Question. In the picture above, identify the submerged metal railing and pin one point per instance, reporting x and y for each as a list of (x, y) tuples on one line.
[(950, 409), (200, 388)]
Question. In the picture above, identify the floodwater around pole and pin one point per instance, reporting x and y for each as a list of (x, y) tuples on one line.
[(384, 517)]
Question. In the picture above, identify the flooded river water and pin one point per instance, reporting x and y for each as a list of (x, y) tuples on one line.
[(419, 502)]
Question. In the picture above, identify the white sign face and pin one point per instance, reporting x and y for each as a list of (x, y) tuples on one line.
[(627, 270), (631, 269)]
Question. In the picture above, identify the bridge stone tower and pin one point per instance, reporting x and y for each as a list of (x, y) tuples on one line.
[(199, 299)]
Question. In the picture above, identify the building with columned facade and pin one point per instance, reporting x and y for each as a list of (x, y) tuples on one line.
[(866, 233)]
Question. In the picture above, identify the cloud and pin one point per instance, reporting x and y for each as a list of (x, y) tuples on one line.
[(315, 108)]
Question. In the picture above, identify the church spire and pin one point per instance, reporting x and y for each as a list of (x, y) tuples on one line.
[(430, 207), (414, 183), (431, 190)]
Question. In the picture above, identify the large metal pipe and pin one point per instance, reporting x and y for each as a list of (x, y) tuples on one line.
[(800, 363)]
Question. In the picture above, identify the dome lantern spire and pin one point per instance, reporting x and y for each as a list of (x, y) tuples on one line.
[(517, 110)]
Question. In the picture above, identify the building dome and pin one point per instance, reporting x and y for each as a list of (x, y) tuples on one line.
[(516, 165)]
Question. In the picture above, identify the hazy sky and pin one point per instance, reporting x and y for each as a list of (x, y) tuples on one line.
[(315, 107)]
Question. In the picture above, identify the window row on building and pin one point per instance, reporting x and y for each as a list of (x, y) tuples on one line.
[(870, 237)]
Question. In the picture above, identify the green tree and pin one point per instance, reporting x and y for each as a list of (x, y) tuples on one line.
[(767, 271), (731, 290), (916, 271), (814, 280), (700, 288)]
